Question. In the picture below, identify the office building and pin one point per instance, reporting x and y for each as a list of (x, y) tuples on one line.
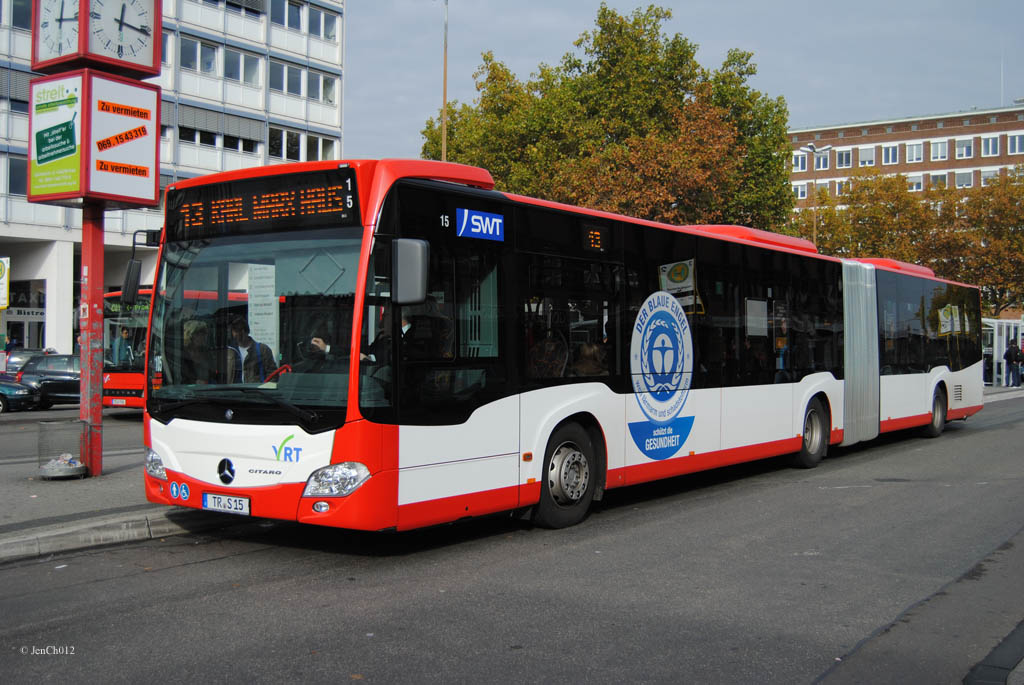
[(963, 149), (245, 83)]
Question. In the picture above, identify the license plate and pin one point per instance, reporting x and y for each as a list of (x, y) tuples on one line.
[(118, 403), (230, 505)]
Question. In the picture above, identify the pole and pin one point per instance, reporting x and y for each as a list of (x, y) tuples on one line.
[(444, 91), (91, 326)]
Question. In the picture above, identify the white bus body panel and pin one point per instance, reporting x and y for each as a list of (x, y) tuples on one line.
[(445, 461), (195, 448), (907, 395)]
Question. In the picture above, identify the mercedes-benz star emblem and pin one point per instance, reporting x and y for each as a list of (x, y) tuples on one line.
[(229, 415), (226, 471)]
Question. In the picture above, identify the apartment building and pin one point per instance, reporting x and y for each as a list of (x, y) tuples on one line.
[(245, 83), (964, 149)]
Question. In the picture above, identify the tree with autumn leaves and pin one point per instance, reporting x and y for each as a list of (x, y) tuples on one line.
[(630, 123), (972, 235)]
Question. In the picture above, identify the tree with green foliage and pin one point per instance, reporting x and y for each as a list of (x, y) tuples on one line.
[(971, 235), (631, 123)]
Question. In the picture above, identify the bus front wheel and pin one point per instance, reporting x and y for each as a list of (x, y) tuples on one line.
[(938, 422), (569, 478), (815, 436)]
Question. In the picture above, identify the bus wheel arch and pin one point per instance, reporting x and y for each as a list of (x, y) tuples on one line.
[(573, 472), (939, 411), (815, 433)]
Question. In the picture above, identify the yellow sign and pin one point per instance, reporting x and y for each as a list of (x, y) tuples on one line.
[(5, 282)]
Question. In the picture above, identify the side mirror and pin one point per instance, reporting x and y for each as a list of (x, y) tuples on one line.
[(410, 261), (130, 287)]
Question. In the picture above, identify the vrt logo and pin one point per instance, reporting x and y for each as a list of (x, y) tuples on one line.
[(284, 453)]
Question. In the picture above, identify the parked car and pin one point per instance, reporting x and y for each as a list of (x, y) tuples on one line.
[(17, 396), (16, 358), (57, 376)]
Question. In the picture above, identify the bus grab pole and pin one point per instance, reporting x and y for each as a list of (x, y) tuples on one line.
[(90, 316)]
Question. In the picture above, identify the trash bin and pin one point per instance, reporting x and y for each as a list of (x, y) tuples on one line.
[(59, 446)]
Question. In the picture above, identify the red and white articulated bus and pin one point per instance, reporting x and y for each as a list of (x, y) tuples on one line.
[(422, 348)]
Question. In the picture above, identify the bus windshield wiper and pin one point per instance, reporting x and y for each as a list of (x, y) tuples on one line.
[(302, 414), (193, 398)]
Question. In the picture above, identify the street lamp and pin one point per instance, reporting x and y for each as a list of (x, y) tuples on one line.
[(444, 91), (813, 150)]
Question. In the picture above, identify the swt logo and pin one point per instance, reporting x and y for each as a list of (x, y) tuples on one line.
[(482, 225), (284, 453)]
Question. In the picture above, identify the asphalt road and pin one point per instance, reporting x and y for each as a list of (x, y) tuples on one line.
[(752, 574), (122, 429)]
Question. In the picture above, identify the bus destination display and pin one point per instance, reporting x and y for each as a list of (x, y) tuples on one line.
[(311, 199)]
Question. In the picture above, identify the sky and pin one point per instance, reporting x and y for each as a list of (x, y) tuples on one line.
[(833, 62)]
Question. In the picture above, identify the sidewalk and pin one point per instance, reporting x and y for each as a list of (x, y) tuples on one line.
[(41, 517)]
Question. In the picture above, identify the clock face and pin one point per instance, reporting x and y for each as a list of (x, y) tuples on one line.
[(122, 30), (56, 29)]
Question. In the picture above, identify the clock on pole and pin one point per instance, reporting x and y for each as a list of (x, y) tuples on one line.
[(118, 36)]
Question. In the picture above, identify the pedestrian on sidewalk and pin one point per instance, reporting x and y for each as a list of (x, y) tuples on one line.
[(1013, 357)]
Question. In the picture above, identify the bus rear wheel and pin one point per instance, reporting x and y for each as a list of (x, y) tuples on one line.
[(569, 478), (938, 423), (815, 436)]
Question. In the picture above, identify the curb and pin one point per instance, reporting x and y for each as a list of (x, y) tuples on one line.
[(111, 530)]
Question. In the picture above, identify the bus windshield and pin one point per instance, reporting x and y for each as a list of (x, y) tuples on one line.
[(258, 324), (124, 333)]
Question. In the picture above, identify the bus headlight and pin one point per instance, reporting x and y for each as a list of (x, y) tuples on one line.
[(155, 465), (336, 480)]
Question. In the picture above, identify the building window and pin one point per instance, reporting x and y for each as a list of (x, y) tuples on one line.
[(915, 183), (240, 66), (285, 78), (239, 9), (198, 56), (320, 87), (964, 179), (282, 144), (17, 175), (319, 148), (940, 150), (844, 159), (323, 24), (990, 147), (1015, 144), (163, 48), (890, 154), (938, 180), (821, 161), (288, 14), (19, 105), (800, 191), (989, 176), (867, 156), (196, 136), (965, 149), (842, 187), (799, 161), (915, 152), (240, 144), (21, 14)]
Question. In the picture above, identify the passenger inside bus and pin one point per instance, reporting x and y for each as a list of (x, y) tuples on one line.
[(196, 367), (249, 361)]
